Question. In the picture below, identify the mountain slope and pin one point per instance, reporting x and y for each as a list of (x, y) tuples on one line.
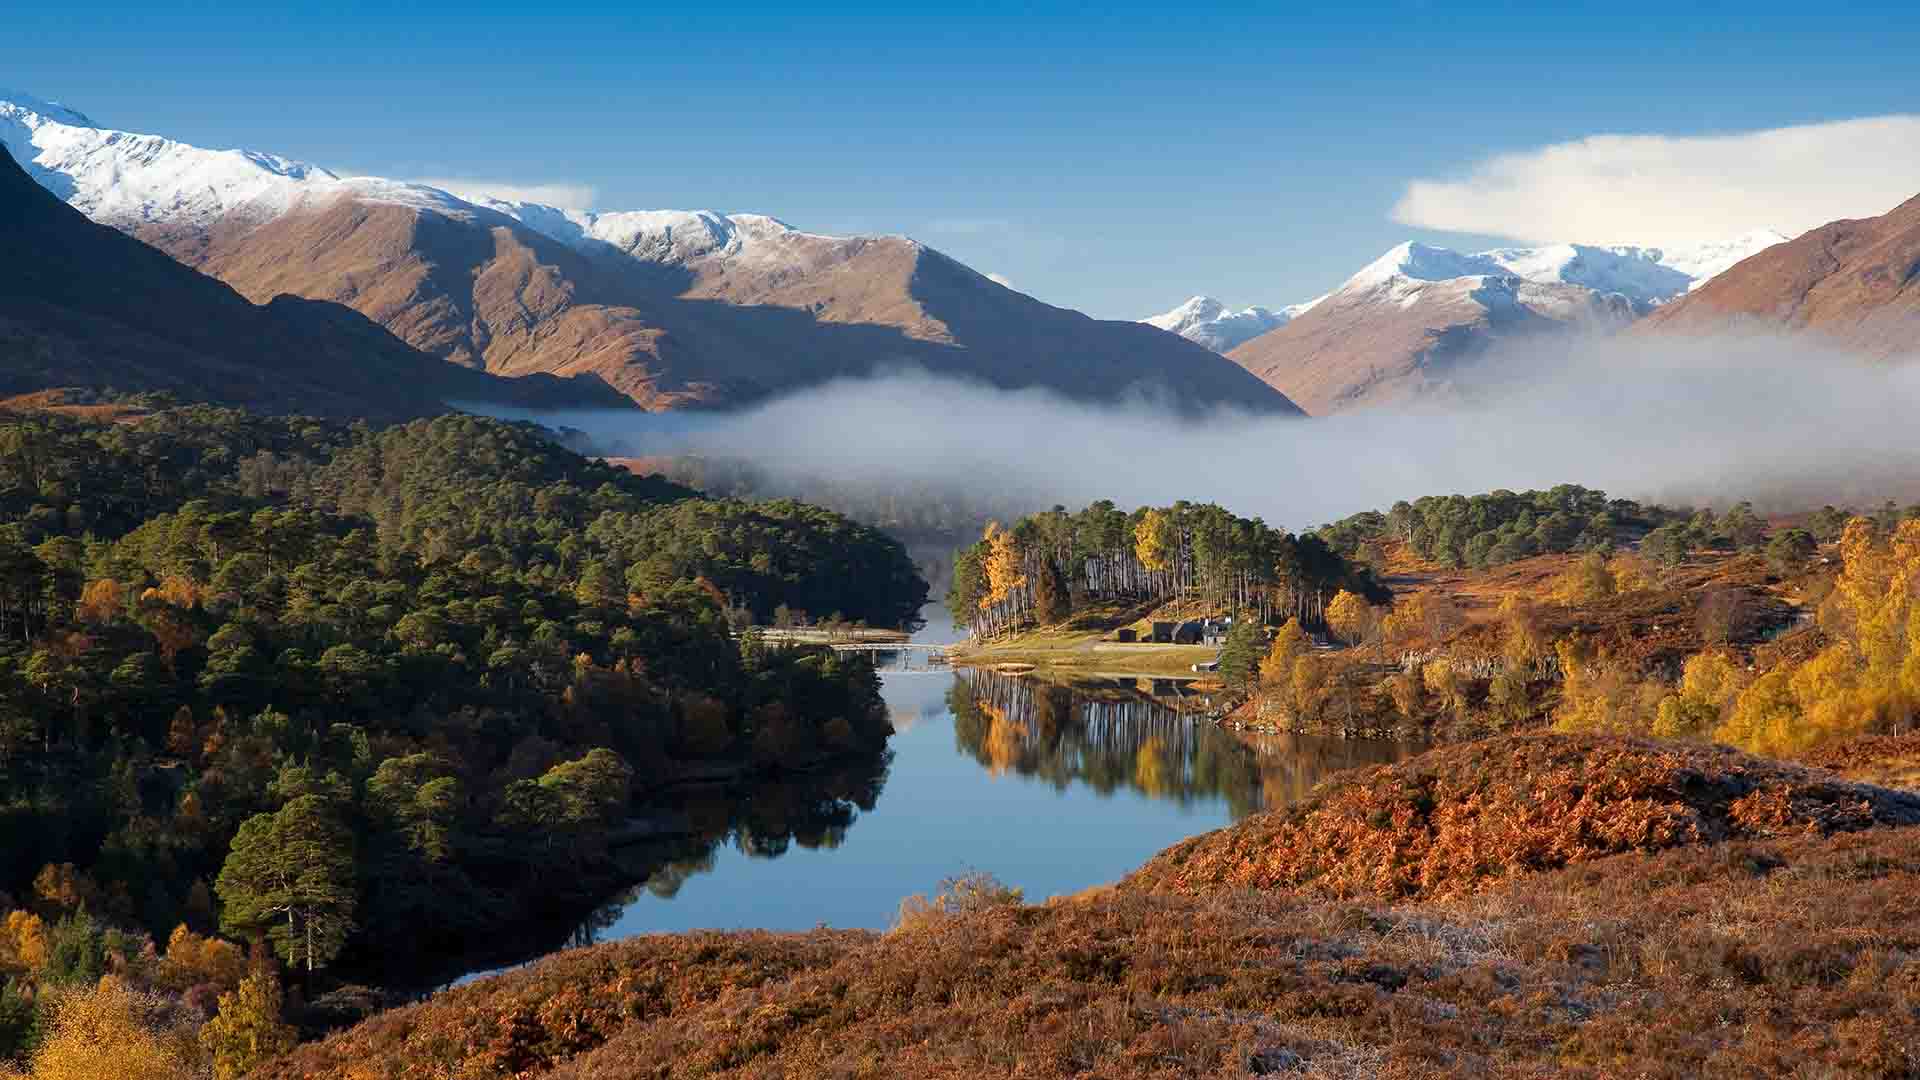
[(672, 308), (1402, 327), (1390, 334), (82, 304), (1854, 283)]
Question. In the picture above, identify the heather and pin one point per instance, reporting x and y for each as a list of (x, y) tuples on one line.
[(1738, 959), (1462, 817)]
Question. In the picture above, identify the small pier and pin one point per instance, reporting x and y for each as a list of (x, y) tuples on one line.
[(934, 654)]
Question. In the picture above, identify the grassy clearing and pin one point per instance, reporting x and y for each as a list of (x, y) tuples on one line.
[(1084, 646), (1068, 658)]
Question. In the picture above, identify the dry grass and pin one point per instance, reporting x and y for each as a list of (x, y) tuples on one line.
[(1453, 820), (56, 401), (1723, 955), (1797, 957), (1887, 760)]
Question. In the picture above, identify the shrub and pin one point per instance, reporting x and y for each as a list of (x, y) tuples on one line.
[(960, 895)]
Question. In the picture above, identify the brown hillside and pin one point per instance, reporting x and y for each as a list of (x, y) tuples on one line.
[(490, 293), (1855, 283), (1771, 958), (1460, 818), (83, 305), (1365, 347)]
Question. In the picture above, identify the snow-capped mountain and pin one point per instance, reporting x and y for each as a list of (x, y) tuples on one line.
[(1206, 321), (669, 307), (125, 179), (1704, 262), (1404, 323), (128, 180), (1644, 277), (84, 305)]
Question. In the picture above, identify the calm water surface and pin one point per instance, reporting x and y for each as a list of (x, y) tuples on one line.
[(1050, 789)]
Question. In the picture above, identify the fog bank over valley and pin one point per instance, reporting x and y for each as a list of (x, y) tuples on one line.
[(1781, 423)]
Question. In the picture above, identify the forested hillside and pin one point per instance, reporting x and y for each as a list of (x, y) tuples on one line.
[(1500, 527), (375, 695)]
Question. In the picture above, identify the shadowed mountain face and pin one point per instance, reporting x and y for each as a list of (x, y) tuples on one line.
[(1853, 283), (489, 292), (83, 305)]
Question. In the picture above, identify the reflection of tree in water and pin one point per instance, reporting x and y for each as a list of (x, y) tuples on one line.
[(1110, 735), (763, 821), (666, 881)]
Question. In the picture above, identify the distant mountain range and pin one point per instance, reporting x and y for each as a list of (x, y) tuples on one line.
[(82, 305), (1399, 327), (361, 276), (670, 308)]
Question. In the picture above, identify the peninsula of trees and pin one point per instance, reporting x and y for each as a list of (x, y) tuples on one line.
[(1044, 566)]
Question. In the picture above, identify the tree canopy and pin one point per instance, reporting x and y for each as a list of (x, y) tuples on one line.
[(1199, 550)]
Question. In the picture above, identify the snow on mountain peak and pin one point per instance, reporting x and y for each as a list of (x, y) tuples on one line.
[(128, 179), (1420, 262), (1633, 272), (1704, 262), (29, 109), (1196, 309), (1644, 276), (1206, 321)]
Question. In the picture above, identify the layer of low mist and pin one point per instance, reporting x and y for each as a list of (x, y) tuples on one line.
[(1708, 422)]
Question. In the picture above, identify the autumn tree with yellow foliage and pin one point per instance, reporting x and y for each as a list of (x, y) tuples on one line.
[(1154, 541), (23, 941), (1003, 564), (1351, 618), (1709, 685), (113, 1030), (1868, 679), (248, 1029), (1289, 644), (1601, 694), (1425, 615)]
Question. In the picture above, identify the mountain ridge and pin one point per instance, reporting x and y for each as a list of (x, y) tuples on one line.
[(1646, 276), (1853, 284), (82, 304), (672, 308), (1404, 325)]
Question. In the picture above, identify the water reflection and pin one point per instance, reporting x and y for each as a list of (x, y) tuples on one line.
[(687, 830), (1154, 736), (1051, 788)]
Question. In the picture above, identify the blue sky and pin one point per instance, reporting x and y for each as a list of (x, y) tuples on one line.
[(1110, 158)]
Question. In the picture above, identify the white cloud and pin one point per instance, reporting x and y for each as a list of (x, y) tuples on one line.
[(1673, 190), (564, 196), (1002, 281)]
